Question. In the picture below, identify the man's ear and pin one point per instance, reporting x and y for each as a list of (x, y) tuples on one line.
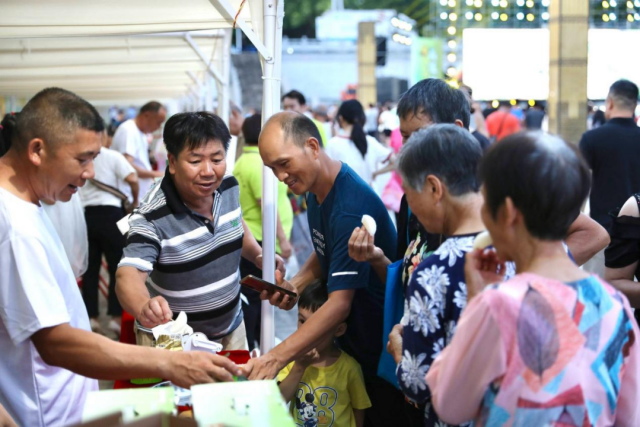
[(341, 329), (172, 163), (459, 123), (36, 151), (314, 146)]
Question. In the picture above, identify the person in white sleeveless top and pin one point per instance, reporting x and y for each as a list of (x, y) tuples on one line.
[(363, 153)]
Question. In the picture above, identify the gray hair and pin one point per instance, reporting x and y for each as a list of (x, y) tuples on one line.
[(235, 108), (447, 151)]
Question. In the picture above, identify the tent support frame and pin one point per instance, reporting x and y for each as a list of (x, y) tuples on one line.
[(204, 59), (227, 11), (193, 77), (224, 108), (273, 13)]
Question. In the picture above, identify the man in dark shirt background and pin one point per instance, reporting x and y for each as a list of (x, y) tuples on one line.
[(613, 154), (534, 117)]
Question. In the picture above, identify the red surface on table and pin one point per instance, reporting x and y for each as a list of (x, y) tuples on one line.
[(127, 335)]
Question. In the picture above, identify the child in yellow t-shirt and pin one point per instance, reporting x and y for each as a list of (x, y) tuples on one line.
[(326, 386)]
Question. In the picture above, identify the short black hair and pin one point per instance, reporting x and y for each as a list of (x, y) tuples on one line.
[(194, 129), (251, 129), (294, 94), (111, 129), (545, 177), (299, 128), (152, 107), (447, 151), (436, 99), (313, 296), (53, 114), (7, 126), (598, 119), (624, 94)]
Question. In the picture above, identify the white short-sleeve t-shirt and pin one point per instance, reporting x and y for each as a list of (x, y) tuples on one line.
[(37, 291), (111, 168), (342, 148), (68, 220), (128, 139)]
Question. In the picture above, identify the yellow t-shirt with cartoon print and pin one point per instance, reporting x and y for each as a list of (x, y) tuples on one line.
[(327, 396)]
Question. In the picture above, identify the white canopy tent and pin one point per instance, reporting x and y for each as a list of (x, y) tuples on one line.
[(114, 68), (120, 51)]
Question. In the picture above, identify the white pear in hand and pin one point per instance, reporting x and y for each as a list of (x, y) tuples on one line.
[(370, 224), (482, 240)]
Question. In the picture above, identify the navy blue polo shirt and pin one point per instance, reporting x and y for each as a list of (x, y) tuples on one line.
[(331, 225)]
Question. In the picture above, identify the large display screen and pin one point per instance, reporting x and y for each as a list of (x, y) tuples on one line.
[(514, 63)]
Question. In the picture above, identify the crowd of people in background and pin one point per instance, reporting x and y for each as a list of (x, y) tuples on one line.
[(410, 324)]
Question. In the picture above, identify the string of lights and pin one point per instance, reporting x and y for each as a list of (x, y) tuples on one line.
[(450, 17), (615, 14)]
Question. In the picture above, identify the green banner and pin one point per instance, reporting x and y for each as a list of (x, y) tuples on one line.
[(426, 59)]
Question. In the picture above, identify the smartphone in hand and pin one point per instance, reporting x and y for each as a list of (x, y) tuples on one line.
[(260, 285)]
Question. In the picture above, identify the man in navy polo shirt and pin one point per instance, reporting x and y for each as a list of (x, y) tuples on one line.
[(337, 199)]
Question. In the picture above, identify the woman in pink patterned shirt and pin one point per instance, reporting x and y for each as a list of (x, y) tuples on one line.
[(553, 346)]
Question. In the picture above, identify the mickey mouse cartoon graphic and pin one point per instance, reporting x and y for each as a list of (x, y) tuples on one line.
[(308, 410)]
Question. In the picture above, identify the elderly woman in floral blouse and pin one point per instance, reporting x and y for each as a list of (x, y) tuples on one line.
[(438, 166)]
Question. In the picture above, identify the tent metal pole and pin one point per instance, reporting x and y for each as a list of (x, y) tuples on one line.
[(200, 89), (224, 109), (228, 12), (270, 105), (208, 100), (204, 59), (193, 77), (193, 91)]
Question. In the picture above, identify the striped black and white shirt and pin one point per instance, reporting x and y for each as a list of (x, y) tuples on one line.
[(192, 262)]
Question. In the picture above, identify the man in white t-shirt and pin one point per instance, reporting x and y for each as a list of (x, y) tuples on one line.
[(48, 351), (131, 140), (102, 211)]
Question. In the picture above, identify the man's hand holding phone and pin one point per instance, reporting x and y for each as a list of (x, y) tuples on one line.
[(278, 299)]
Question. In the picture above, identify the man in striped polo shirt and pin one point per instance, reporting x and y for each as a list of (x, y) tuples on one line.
[(186, 238)]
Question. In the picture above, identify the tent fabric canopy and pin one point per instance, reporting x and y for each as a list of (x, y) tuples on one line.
[(62, 18), (36, 52), (120, 45), (108, 67)]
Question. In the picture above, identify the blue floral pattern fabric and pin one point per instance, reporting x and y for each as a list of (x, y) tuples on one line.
[(435, 297)]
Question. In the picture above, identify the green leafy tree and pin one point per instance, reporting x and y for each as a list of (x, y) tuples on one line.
[(300, 15)]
